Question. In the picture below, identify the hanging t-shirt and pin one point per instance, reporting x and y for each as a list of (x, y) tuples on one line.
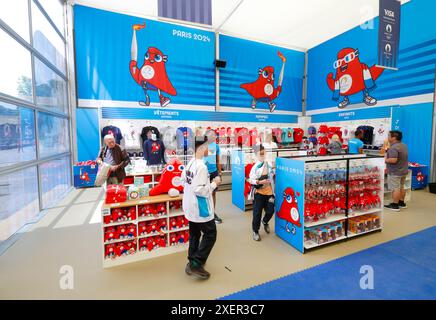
[(284, 136), (290, 135), (380, 135), (132, 138), (277, 135), (210, 160), (185, 138), (153, 130), (115, 131), (298, 135), (154, 152), (241, 136)]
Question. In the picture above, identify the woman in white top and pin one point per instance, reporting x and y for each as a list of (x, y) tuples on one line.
[(262, 181)]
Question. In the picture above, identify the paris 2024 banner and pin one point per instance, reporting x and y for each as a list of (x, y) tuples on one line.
[(130, 61)]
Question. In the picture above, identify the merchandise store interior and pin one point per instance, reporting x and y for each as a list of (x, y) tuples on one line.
[(103, 105)]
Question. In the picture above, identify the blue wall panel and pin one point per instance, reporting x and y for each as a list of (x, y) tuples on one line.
[(245, 58), (415, 121), (88, 135)]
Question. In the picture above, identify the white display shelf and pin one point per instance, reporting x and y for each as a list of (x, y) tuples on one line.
[(162, 233), (352, 234), (107, 208), (359, 213), (333, 218), (120, 240), (176, 214), (177, 230), (113, 224), (311, 244), (143, 255), (151, 218)]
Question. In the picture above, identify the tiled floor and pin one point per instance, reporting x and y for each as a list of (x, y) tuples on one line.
[(70, 235)]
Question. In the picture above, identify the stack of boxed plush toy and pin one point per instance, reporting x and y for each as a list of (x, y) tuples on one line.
[(364, 223), (325, 233)]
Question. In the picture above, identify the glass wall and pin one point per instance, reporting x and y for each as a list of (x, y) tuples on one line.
[(35, 155)]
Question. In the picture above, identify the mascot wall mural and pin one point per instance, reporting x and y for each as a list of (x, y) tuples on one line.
[(263, 89), (352, 77), (152, 75)]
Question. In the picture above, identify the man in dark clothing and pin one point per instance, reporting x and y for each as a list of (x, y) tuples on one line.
[(397, 163), (116, 157)]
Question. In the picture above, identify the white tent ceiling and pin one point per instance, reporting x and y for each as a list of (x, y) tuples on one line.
[(292, 23)]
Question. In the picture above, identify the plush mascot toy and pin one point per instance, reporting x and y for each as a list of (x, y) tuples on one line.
[(170, 181)]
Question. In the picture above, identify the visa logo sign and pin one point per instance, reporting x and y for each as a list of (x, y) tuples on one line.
[(389, 13)]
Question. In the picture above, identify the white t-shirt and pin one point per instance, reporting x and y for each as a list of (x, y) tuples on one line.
[(197, 193), (132, 138), (380, 135), (346, 133)]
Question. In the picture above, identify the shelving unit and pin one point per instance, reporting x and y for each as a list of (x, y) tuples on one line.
[(142, 255), (291, 187)]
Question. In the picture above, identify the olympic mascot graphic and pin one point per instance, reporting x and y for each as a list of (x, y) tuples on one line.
[(289, 210), (352, 77), (152, 75), (263, 88)]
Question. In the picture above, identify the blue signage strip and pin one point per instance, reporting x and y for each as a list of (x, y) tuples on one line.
[(389, 33), (347, 115), (188, 115)]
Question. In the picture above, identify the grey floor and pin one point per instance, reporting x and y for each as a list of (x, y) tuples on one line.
[(69, 235)]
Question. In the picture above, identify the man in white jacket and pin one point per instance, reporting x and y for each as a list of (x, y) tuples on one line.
[(199, 210)]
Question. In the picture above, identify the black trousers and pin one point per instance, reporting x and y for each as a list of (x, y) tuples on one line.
[(260, 203), (202, 237)]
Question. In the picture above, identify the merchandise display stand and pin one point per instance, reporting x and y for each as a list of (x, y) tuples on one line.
[(240, 159), (149, 177), (149, 227), (326, 199)]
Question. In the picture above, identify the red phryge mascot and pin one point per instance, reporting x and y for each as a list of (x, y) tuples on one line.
[(170, 179), (289, 210), (152, 75), (352, 77), (263, 88)]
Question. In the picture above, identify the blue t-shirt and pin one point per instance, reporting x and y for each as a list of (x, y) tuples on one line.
[(354, 145), (210, 160)]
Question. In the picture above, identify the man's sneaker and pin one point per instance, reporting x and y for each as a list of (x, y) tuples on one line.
[(402, 205), (256, 236), (197, 271), (218, 220), (393, 206), (266, 227)]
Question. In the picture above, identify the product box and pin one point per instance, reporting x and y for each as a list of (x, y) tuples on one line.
[(133, 192), (144, 191), (116, 194), (138, 181), (85, 174)]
